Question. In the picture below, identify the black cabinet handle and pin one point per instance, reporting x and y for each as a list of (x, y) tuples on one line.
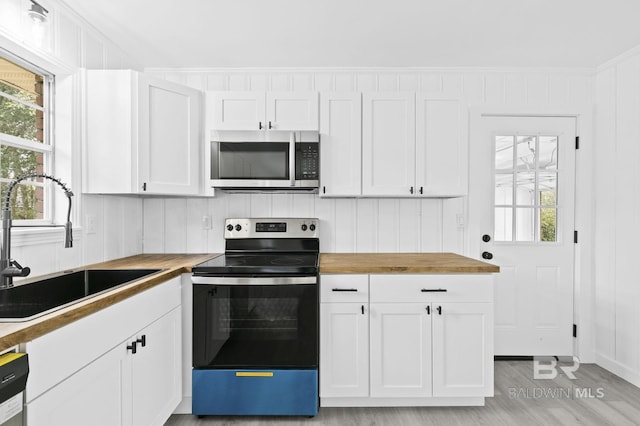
[(428, 310), (144, 186), (487, 255), (270, 126), (344, 289), (132, 347), (142, 340), (362, 307), (421, 191), (439, 308), (260, 125), (324, 189), (434, 290), (411, 190)]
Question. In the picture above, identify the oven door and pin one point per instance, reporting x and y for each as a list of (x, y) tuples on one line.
[(266, 325)]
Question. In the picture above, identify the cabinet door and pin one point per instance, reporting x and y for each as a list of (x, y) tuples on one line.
[(344, 349), (236, 110), (400, 350), (156, 381), (292, 111), (463, 349), (388, 144), (441, 154), (341, 148), (92, 396), (169, 146)]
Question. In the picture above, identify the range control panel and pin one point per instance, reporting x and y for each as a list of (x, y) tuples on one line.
[(271, 228)]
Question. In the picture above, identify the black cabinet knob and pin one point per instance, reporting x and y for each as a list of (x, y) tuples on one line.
[(229, 227), (487, 255), (486, 238)]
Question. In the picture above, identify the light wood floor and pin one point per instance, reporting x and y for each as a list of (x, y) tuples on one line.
[(519, 400)]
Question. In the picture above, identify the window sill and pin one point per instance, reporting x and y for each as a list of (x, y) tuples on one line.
[(23, 237)]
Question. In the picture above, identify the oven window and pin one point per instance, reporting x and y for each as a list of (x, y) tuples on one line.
[(255, 326), (254, 160)]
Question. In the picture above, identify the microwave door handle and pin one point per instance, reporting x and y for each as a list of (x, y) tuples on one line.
[(292, 159)]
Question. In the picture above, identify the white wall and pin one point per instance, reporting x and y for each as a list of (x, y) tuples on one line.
[(61, 46), (617, 230), (365, 225)]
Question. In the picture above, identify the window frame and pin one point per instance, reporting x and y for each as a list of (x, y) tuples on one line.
[(46, 147)]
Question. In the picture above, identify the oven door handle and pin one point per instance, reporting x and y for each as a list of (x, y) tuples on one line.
[(253, 280)]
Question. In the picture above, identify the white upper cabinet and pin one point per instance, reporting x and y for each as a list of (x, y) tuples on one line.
[(388, 144), (142, 135), (341, 144), (441, 154), (286, 111)]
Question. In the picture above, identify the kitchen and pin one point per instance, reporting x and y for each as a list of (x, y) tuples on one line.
[(597, 83)]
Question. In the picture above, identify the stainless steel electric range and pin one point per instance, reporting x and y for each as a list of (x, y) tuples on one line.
[(255, 321)]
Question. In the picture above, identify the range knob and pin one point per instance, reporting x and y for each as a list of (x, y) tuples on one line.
[(238, 227), (229, 227), (312, 227), (303, 227)]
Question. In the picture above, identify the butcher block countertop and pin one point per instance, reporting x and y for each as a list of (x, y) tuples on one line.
[(402, 263), (173, 265)]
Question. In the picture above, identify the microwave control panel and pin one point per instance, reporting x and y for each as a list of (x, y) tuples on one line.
[(307, 160)]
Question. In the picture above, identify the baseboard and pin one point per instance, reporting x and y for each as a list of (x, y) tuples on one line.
[(184, 407), (403, 402), (618, 369)]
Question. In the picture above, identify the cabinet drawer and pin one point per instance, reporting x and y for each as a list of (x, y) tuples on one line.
[(344, 288), (431, 288)]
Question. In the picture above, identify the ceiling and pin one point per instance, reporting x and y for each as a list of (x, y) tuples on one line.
[(364, 33)]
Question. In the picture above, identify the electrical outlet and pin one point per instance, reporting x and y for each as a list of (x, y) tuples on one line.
[(206, 222), (91, 224)]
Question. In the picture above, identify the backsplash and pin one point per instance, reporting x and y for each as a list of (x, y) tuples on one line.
[(175, 225)]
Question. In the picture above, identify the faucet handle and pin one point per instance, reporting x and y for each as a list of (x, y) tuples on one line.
[(16, 269)]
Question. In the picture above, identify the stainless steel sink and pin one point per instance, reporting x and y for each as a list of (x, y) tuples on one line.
[(31, 299)]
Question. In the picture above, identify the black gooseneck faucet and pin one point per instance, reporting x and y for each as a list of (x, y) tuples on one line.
[(9, 268)]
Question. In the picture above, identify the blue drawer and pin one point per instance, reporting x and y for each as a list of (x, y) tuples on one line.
[(255, 392)]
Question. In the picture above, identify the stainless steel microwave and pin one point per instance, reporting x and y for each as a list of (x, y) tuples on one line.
[(276, 163)]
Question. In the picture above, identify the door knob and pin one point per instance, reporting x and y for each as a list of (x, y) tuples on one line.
[(486, 238), (487, 255)]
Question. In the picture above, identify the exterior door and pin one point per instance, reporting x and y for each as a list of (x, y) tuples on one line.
[(521, 215)]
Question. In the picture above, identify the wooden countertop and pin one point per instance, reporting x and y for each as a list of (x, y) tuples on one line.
[(14, 333), (402, 263)]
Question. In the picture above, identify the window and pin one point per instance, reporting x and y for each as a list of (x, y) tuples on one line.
[(526, 182), (25, 145)]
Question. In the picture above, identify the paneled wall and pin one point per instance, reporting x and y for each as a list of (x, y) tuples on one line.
[(617, 210), (61, 46), (365, 225)]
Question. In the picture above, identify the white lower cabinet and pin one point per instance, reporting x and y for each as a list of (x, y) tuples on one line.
[(70, 385), (431, 341), (400, 350)]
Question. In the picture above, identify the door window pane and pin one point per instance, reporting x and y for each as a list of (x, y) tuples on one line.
[(548, 218), (504, 152), (525, 224), (526, 189), (548, 152), (503, 228), (525, 155), (532, 178), (504, 189)]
